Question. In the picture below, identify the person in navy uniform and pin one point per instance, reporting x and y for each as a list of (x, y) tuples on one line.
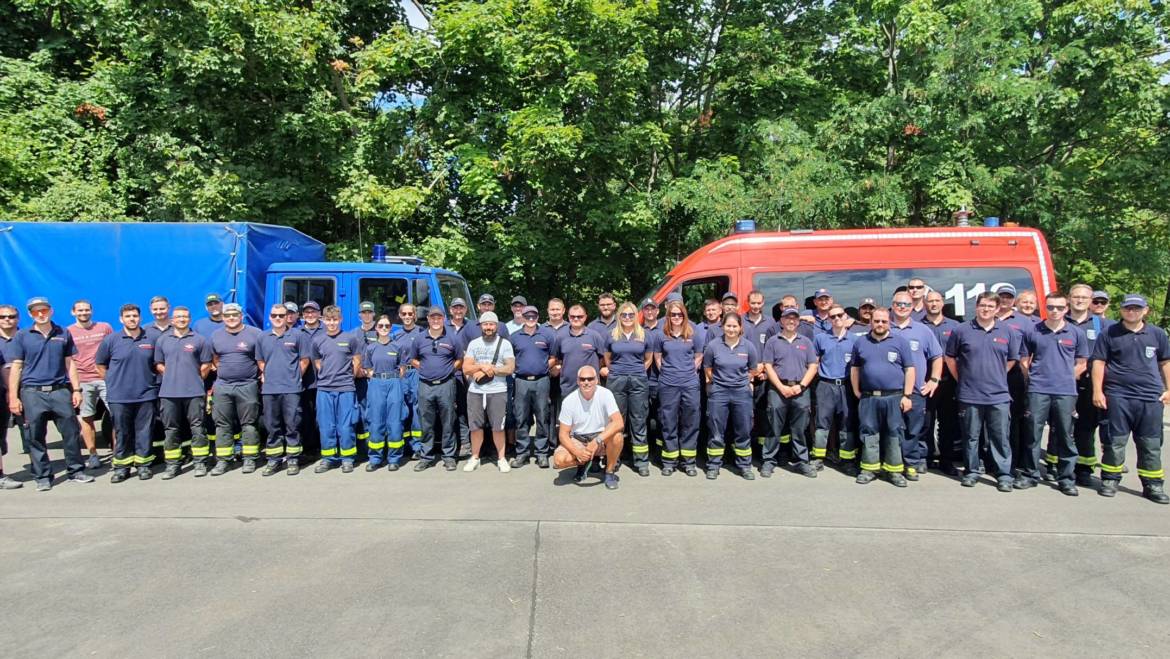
[(678, 353), (942, 409), (712, 320), (628, 355), (1058, 354), (9, 315), (534, 345), (651, 323), (926, 353), (383, 366), (759, 327), (730, 364), (125, 360), (214, 320), (1100, 303), (979, 355), (1017, 377), (917, 289), (882, 378), (1131, 382), (283, 356), (580, 346), (864, 313), (1089, 419), (404, 338), (337, 357), (729, 303), (43, 385), (836, 406), (310, 433), (236, 399), (790, 361), (363, 334), (183, 359), (606, 316), (823, 301), (1028, 305), (437, 354)]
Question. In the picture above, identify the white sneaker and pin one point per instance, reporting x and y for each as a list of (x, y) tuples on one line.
[(504, 467), (471, 465)]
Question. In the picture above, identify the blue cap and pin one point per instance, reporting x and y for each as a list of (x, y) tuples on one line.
[(1100, 295), (487, 297), (1006, 288), (1134, 300), (730, 296), (311, 305), (458, 302), (38, 302), (821, 292), (233, 307), (790, 311), (674, 297)]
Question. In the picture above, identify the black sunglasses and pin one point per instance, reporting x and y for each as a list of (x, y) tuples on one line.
[(277, 315), (586, 379), (8, 316)]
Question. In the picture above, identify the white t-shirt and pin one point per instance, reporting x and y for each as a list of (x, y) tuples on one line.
[(586, 417), (482, 352)]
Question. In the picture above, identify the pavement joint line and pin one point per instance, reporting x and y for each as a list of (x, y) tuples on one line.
[(538, 522), (535, 581)]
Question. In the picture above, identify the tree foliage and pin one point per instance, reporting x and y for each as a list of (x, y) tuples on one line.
[(573, 146)]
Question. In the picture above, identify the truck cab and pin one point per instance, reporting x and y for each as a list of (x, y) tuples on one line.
[(387, 283)]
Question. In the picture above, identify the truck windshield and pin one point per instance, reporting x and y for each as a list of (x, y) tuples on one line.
[(959, 286), (452, 287)]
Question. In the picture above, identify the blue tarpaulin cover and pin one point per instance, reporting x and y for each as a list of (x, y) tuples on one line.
[(113, 263)]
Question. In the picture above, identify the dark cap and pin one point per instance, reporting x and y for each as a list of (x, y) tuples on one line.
[(309, 304), (649, 302), (821, 292), (435, 311), (520, 299), (211, 297), (1134, 300), (1010, 289), (366, 305), (730, 296), (674, 297), (486, 297), (790, 311), (530, 309), (459, 302), (865, 301), (292, 306), (1100, 295)]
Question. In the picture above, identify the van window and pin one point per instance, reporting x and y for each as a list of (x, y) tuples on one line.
[(959, 286), (302, 289), (422, 295), (697, 291), (387, 293), (453, 287)]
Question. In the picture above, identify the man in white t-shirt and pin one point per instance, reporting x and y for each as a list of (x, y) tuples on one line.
[(487, 363), (590, 420)]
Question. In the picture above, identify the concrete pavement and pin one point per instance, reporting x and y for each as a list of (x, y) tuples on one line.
[(526, 564)]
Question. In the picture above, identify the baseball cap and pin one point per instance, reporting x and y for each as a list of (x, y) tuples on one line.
[(435, 311), (488, 317), (790, 311), (292, 306), (865, 301), (821, 292), (530, 309), (648, 302), (366, 305), (730, 296), (674, 297), (1006, 288), (1100, 295), (486, 297), (232, 306), (211, 297), (1133, 300), (311, 305), (38, 302), (458, 302), (520, 299)]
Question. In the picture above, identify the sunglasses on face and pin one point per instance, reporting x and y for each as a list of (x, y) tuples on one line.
[(586, 379), (406, 313), (8, 316), (530, 316), (44, 310), (231, 315), (383, 325), (277, 315), (627, 315), (575, 317), (1055, 307), (915, 288), (901, 304), (1100, 301), (676, 314), (835, 316)]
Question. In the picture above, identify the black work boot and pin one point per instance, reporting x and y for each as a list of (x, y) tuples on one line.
[(1108, 488), (172, 471), (1154, 492)]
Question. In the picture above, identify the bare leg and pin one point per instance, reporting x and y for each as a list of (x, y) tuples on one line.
[(476, 442), (498, 439), (613, 453), (89, 434)]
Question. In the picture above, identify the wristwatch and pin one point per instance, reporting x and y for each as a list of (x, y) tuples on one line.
[(934, 380)]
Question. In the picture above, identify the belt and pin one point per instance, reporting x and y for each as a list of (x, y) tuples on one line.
[(840, 382), (45, 387), (881, 392), (532, 378), (384, 376), (435, 383), (790, 382)]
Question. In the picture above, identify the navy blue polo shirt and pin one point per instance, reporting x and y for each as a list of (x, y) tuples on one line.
[(309, 380), (364, 335), (282, 357), (760, 330), (601, 327), (156, 331), (1133, 361), (982, 356), (403, 340), (918, 315), (557, 331), (6, 347), (577, 350), (942, 331), (678, 358), (1092, 326), (436, 356), (924, 348), (834, 354), (43, 356), (712, 331), (129, 362), (237, 354), (182, 356), (821, 325), (206, 326), (858, 329), (881, 365), (382, 358), (729, 366), (790, 359), (627, 355), (1054, 355), (533, 350), (336, 354)]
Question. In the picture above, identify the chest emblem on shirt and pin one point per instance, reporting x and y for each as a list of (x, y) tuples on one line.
[(1092, 334), (188, 347), (999, 339), (848, 357), (1150, 352), (242, 345), (914, 345), (1066, 342), (891, 357)]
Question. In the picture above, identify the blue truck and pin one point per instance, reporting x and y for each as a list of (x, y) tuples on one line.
[(254, 265)]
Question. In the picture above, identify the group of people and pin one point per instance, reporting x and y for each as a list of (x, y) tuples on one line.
[(892, 392)]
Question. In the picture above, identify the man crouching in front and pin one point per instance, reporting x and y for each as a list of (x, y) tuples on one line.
[(590, 420)]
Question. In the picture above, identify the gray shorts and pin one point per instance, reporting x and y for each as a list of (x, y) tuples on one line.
[(487, 411), (90, 393)]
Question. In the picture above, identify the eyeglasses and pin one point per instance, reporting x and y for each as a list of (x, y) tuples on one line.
[(1100, 301), (901, 304), (879, 322), (406, 313), (531, 316), (232, 314), (382, 326), (37, 312), (586, 379), (627, 315), (987, 306), (277, 315), (835, 316), (576, 317), (915, 288), (1133, 308), (676, 314), (1055, 307), (8, 316)]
